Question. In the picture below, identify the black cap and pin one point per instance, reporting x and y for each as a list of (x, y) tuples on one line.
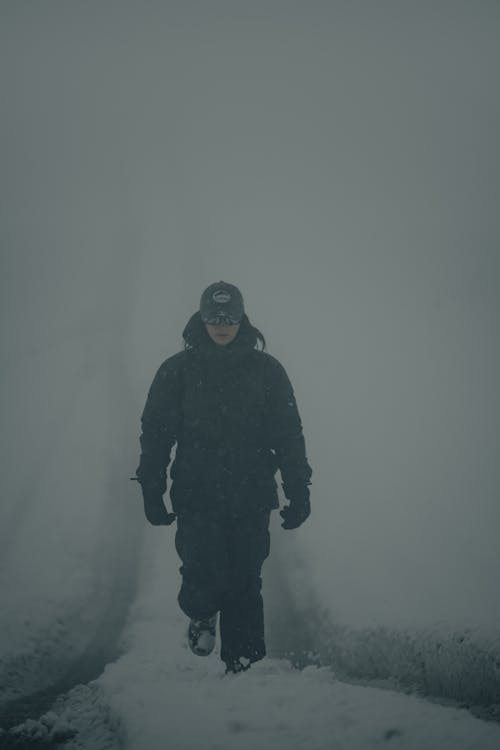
[(221, 303)]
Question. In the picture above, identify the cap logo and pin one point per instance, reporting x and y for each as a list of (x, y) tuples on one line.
[(221, 297)]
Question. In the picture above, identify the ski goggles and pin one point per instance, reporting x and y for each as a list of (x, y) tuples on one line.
[(221, 320)]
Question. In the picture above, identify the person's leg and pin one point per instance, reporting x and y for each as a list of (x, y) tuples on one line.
[(242, 624), (201, 545), (242, 611)]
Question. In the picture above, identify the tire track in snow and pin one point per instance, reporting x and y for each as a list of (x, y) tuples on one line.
[(113, 597), (289, 631)]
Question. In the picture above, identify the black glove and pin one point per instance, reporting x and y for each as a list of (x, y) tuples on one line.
[(295, 514), (154, 507), (155, 510)]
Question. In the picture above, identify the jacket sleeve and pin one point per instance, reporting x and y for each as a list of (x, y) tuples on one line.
[(286, 438), (160, 421)]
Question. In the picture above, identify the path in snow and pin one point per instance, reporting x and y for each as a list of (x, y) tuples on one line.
[(158, 695)]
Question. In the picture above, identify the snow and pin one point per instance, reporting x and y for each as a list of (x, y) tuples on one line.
[(164, 694), (158, 694)]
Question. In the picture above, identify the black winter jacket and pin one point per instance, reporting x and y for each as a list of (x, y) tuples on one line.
[(231, 411)]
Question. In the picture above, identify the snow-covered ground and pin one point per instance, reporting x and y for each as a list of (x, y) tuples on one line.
[(157, 695)]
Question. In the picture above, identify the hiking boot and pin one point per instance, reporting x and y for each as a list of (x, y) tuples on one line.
[(237, 665), (201, 635)]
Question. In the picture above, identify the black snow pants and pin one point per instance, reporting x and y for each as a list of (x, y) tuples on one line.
[(222, 556)]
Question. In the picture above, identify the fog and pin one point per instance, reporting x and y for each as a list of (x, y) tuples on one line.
[(338, 162)]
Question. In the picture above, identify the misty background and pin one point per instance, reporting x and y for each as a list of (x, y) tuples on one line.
[(339, 162)]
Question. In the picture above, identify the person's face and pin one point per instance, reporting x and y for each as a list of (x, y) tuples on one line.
[(222, 334)]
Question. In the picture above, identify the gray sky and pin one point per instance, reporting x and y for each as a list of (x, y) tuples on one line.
[(339, 162)]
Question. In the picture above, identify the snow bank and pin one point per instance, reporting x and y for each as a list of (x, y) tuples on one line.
[(81, 720), (460, 664)]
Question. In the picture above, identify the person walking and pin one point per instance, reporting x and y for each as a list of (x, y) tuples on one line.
[(230, 409)]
